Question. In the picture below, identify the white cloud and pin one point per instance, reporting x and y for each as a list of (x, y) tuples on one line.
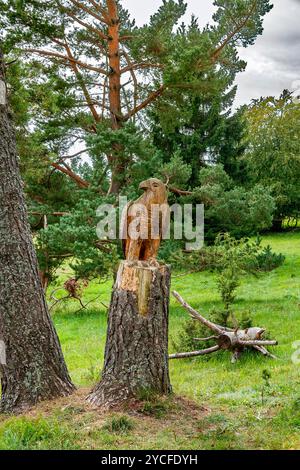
[(142, 10), (274, 60)]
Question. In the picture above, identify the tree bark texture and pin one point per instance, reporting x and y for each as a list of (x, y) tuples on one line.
[(136, 354), (34, 368)]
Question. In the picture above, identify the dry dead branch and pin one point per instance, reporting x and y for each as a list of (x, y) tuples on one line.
[(228, 339)]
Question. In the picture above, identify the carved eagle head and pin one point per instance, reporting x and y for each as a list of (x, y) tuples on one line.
[(155, 189)]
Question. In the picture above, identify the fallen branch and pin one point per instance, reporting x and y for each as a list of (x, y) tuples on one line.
[(206, 339), (258, 343), (194, 353), (264, 352), (197, 315), (235, 341)]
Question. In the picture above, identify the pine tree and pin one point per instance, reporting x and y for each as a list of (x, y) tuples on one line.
[(95, 71), (35, 368)]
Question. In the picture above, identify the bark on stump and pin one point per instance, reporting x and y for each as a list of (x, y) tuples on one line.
[(136, 354)]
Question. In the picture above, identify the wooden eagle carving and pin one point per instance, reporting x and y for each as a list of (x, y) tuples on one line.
[(144, 221)]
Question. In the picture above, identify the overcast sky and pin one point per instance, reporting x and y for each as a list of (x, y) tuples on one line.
[(274, 60)]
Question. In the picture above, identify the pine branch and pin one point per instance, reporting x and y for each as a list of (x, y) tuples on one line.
[(82, 84), (81, 6), (77, 154), (180, 192), (52, 54), (142, 65), (126, 37), (81, 183), (86, 25), (134, 78), (99, 8), (236, 30), (145, 103)]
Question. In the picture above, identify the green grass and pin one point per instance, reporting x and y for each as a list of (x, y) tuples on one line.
[(25, 433), (224, 407)]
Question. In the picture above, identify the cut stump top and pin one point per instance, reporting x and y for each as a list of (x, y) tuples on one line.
[(138, 277)]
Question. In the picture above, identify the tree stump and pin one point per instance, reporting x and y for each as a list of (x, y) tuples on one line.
[(136, 353)]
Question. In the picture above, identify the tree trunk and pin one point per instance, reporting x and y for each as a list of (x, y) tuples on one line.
[(34, 367), (136, 354), (114, 62), (116, 159)]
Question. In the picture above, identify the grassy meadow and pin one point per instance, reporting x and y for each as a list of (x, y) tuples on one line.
[(216, 405)]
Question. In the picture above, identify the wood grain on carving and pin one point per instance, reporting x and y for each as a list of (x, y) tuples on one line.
[(149, 216)]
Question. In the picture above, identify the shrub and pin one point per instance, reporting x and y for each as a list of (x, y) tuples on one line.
[(186, 338), (250, 256), (267, 260), (233, 208)]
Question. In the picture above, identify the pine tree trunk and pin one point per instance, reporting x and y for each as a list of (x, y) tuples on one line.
[(116, 159), (136, 354), (32, 366)]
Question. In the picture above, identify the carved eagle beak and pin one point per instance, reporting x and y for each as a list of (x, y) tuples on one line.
[(144, 185)]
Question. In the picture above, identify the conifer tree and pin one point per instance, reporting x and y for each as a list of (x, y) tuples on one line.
[(34, 367)]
